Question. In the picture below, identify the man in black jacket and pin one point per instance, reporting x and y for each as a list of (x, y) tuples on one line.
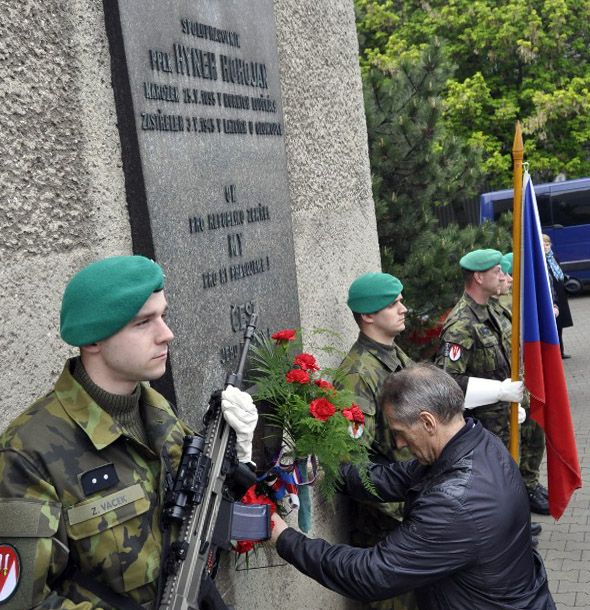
[(465, 541)]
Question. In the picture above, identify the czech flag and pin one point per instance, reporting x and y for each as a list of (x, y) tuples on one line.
[(543, 367)]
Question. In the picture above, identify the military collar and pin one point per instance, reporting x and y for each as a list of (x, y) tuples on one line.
[(101, 429), (389, 356), (481, 311), (366, 341), (499, 305)]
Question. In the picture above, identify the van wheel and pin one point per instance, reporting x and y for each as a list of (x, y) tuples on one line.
[(573, 286)]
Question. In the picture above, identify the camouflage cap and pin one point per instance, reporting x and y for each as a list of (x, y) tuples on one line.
[(481, 260), (506, 263), (104, 296), (373, 291)]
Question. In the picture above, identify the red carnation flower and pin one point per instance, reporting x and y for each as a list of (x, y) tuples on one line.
[(250, 497), (284, 335), (322, 383), (297, 376), (357, 414), (322, 409), (243, 546), (306, 362), (354, 414)]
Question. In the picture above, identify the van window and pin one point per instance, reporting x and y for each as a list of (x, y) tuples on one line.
[(501, 206), (571, 209), (544, 211), (505, 205)]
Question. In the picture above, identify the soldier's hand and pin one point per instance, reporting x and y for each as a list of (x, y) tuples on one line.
[(521, 414), (241, 414), (482, 391), (511, 391)]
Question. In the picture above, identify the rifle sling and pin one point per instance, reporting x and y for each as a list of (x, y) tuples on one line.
[(104, 592)]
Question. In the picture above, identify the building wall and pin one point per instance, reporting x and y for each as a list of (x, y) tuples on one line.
[(63, 201)]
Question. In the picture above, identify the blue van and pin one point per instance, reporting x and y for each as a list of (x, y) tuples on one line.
[(564, 209)]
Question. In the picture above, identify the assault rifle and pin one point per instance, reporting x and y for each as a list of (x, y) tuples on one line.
[(200, 503)]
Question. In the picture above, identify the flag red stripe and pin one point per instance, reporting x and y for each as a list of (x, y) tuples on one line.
[(548, 401)]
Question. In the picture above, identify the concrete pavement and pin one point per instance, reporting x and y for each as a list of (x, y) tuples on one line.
[(565, 544)]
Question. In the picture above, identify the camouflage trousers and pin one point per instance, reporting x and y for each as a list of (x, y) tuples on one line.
[(372, 526), (532, 449)]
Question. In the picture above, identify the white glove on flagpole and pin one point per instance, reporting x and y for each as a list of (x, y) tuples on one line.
[(482, 392), (240, 413), (521, 414)]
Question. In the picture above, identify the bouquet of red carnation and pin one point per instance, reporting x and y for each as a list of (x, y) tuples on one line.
[(315, 419)]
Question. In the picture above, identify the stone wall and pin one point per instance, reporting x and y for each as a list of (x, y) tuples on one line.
[(64, 201)]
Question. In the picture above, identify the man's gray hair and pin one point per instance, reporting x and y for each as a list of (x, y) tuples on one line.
[(421, 387)]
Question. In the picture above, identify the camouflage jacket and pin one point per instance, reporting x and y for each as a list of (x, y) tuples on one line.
[(364, 370), (75, 491), (478, 337), (505, 301)]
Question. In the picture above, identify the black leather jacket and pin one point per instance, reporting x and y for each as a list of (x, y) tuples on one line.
[(464, 544)]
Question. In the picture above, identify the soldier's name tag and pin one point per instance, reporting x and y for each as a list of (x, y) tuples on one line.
[(101, 506), (455, 353)]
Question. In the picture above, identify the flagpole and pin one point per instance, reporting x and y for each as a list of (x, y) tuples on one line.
[(517, 157)]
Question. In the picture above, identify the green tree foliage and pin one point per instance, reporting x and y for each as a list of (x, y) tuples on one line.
[(433, 280), (515, 60), (420, 161), (416, 163)]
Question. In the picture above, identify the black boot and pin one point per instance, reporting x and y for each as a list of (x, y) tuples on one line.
[(538, 501), (535, 529)]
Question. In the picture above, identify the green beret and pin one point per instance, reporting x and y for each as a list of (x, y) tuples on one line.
[(372, 292), (481, 260), (104, 296), (506, 263)]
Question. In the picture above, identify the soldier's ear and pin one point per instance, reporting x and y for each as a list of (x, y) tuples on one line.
[(92, 348), (367, 318)]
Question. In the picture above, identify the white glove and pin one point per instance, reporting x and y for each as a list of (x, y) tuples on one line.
[(240, 413), (521, 414), (482, 392), (511, 391)]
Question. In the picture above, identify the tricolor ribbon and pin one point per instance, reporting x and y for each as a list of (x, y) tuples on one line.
[(287, 474)]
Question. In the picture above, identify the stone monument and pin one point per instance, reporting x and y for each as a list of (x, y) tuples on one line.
[(200, 115), (71, 193)]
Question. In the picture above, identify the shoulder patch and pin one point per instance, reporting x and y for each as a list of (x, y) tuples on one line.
[(455, 352), (9, 571)]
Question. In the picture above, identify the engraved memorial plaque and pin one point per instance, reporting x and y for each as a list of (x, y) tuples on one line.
[(199, 107)]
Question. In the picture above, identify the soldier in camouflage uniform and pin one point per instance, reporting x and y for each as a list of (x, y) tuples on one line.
[(532, 437), (376, 302), (475, 345), (475, 350), (83, 470)]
